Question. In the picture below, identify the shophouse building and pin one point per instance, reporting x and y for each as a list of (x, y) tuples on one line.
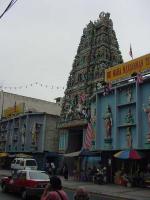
[(29, 126), (28, 104)]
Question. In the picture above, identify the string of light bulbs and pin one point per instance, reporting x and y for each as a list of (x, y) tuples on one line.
[(38, 84)]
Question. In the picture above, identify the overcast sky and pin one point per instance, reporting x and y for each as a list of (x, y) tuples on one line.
[(39, 39)]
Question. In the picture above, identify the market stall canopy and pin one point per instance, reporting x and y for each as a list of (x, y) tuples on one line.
[(129, 154), (3, 154), (86, 152), (52, 154), (83, 153), (22, 155)]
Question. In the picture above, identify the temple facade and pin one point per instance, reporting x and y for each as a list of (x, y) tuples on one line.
[(122, 118)]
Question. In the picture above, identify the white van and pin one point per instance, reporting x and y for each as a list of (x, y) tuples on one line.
[(24, 163)]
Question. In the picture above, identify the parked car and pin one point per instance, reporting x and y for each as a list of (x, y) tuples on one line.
[(28, 183), (23, 163)]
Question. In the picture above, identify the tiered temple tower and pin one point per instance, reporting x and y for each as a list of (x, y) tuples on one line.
[(98, 50)]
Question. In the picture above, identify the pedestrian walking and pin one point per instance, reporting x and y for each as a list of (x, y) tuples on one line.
[(81, 194), (54, 191), (53, 168), (65, 171), (47, 165)]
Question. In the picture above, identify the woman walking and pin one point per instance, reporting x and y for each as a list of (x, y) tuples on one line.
[(65, 171), (54, 191)]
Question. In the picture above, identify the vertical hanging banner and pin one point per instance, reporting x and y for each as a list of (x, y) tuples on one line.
[(125, 70)]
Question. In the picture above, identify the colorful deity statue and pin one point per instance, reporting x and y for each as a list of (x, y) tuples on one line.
[(147, 111), (108, 122), (129, 137), (23, 134), (34, 135), (129, 118), (129, 95)]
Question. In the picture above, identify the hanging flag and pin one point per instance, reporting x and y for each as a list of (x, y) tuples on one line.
[(89, 136), (130, 52), (139, 78)]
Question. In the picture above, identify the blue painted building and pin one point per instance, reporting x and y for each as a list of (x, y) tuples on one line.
[(31, 133), (128, 102), (121, 114)]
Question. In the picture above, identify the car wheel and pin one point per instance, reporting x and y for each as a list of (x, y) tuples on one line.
[(4, 188), (24, 195)]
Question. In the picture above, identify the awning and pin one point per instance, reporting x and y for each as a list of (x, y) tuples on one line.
[(83, 153), (22, 155), (73, 154), (52, 154), (89, 153), (3, 154)]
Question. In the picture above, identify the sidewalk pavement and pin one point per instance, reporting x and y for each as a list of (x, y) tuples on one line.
[(107, 189), (110, 190)]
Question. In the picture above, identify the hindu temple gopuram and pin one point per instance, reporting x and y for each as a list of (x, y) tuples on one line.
[(98, 50)]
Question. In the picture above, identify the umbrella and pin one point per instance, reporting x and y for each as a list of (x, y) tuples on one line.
[(129, 154)]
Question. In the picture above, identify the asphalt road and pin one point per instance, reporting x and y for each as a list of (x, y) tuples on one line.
[(4, 196)]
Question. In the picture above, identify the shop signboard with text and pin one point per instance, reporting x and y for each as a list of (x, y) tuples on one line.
[(125, 70), (14, 110)]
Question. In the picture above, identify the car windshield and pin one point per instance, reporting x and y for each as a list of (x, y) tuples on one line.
[(38, 175), (30, 163)]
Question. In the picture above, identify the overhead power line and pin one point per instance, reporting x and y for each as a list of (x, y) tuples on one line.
[(12, 2)]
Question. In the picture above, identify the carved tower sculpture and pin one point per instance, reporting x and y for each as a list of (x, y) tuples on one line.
[(98, 49)]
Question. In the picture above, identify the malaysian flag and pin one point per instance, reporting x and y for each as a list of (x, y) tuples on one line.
[(130, 52), (89, 137)]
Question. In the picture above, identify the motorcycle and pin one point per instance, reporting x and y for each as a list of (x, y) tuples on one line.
[(100, 177)]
